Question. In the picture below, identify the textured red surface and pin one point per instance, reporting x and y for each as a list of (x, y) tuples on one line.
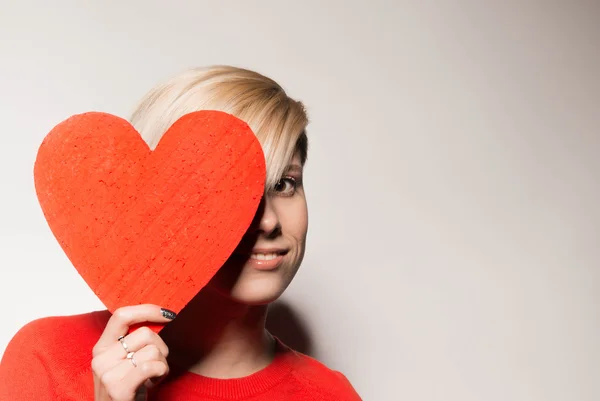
[(144, 226)]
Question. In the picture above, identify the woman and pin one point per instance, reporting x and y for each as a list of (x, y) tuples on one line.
[(217, 347)]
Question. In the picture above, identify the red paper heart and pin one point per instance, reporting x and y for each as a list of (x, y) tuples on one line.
[(144, 226)]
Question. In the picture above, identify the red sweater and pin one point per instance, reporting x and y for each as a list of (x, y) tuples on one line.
[(50, 359)]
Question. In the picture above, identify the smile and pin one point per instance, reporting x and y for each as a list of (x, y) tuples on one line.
[(264, 256)]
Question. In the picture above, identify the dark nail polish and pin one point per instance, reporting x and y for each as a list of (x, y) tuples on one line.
[(168, 314)]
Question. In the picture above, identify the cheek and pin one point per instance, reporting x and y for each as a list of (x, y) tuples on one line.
[(294, 220)]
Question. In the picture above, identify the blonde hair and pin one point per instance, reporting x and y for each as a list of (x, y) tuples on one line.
[(278, 121)]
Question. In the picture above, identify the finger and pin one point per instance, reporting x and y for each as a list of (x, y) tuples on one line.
[(134, 342), (124, 317), (145, 371), (132, 383), (127, 376)]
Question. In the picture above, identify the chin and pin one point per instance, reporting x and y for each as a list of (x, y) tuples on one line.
[(257, 290), (241, 282), (250, 286)]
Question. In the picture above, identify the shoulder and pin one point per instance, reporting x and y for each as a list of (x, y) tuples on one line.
[(49, 333), (48, 353), (52, 339), (317, 378)]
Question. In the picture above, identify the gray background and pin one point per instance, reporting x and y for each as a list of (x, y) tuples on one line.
[(453, 177)]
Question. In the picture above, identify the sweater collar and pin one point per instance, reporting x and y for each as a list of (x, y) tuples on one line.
[(232, 389)]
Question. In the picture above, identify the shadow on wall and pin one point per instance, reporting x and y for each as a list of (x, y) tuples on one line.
[(286, 324)]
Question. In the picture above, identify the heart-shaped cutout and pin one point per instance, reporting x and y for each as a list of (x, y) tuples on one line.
[(144, 226)]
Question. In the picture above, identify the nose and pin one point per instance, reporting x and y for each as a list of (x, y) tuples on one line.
[(266, 221)]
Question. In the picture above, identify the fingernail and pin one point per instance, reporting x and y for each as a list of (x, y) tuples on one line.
[(168, 314)]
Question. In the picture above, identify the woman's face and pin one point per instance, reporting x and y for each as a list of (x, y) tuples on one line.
[(269, 255)]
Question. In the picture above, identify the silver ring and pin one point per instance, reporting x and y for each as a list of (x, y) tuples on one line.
[(130, 357), (124, 344)]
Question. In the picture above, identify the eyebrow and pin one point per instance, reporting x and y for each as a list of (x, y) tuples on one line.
[(293, 167)]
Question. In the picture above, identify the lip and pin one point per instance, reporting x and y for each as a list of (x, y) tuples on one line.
[(264, 264), (279, 251)]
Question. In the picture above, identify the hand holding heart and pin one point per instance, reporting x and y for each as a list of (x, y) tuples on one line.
[(123, 370), (149, 227)]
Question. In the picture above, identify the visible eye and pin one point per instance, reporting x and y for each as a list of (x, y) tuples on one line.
[(286, 186)]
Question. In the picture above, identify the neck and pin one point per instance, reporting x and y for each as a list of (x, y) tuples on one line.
[(214, 336)]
